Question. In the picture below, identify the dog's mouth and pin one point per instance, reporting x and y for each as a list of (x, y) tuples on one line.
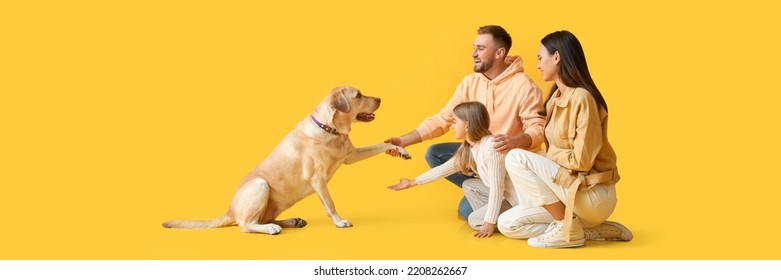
[(365, 117)]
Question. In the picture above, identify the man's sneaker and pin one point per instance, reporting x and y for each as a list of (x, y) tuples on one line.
[(610, 231), (554, 236)]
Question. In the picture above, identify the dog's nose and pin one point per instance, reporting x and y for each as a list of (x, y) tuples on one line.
[(378, 99)]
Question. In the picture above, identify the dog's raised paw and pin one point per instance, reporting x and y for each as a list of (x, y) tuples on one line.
[(403, 153)]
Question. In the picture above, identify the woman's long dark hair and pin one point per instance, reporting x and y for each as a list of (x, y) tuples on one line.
[(573, 69)]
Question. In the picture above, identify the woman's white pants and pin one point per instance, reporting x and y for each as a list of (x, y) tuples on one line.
[(532, 176)]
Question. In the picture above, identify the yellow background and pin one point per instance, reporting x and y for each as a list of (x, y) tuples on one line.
[(119, 115)]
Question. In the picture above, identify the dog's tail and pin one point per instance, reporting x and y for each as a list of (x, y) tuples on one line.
[(220, 221)]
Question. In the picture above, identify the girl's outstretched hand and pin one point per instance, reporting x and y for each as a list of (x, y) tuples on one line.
[(403, 184)]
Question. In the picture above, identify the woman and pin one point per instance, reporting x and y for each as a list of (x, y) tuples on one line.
[(492, 193), (575, 181)]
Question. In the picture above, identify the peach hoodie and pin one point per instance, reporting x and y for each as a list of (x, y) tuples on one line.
[(513, 101)]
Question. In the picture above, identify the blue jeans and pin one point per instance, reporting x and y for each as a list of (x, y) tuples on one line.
[(438, 154)]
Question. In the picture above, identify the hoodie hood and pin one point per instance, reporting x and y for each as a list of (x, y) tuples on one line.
[(515, 67)]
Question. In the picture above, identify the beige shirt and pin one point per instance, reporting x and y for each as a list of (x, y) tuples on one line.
[(576, 137)]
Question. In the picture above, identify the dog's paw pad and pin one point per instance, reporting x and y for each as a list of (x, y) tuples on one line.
[(299, 223), (403, 153)]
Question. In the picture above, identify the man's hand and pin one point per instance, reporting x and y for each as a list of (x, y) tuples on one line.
[(396, 141), (504, 143), (411, 138), (403, 184)]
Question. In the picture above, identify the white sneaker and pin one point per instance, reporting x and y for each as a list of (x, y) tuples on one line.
[(554, 236), (611, 231)]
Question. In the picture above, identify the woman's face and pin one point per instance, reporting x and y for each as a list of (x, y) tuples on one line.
[(547, 64), (459, 128)]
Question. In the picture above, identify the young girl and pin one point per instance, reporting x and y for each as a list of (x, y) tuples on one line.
[(575, 181), (492, 193)]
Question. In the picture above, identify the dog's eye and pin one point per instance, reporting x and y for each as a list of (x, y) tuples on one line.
[(359, 95)]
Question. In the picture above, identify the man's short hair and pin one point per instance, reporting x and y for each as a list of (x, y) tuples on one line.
[(501, 37)]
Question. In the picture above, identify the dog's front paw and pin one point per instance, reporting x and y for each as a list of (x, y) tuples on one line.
[(271, 229), (403, 153), (274, 229), (343, 224)]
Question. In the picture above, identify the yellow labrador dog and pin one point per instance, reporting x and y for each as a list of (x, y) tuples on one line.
[(302, 163)]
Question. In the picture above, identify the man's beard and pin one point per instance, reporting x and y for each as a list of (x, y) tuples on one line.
[(484, 66)]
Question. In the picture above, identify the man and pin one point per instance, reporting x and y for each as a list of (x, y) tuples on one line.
[(513, 101)]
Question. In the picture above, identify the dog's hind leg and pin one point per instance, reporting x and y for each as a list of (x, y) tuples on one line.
[(291, 223), (249, 204)]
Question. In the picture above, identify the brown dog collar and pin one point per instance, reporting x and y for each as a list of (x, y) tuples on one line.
[(324, 127)]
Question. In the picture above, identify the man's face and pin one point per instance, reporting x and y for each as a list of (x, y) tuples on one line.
[(484, 52)]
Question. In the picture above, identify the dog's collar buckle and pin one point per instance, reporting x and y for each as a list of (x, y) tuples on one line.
[(324, 127)]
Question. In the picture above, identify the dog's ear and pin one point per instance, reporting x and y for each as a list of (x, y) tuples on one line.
[(339, 101)]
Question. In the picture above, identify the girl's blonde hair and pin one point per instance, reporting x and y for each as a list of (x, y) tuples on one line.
[(476, 117)]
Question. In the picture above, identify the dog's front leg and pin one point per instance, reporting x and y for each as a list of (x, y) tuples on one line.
[(366, 152), (319, 185)]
